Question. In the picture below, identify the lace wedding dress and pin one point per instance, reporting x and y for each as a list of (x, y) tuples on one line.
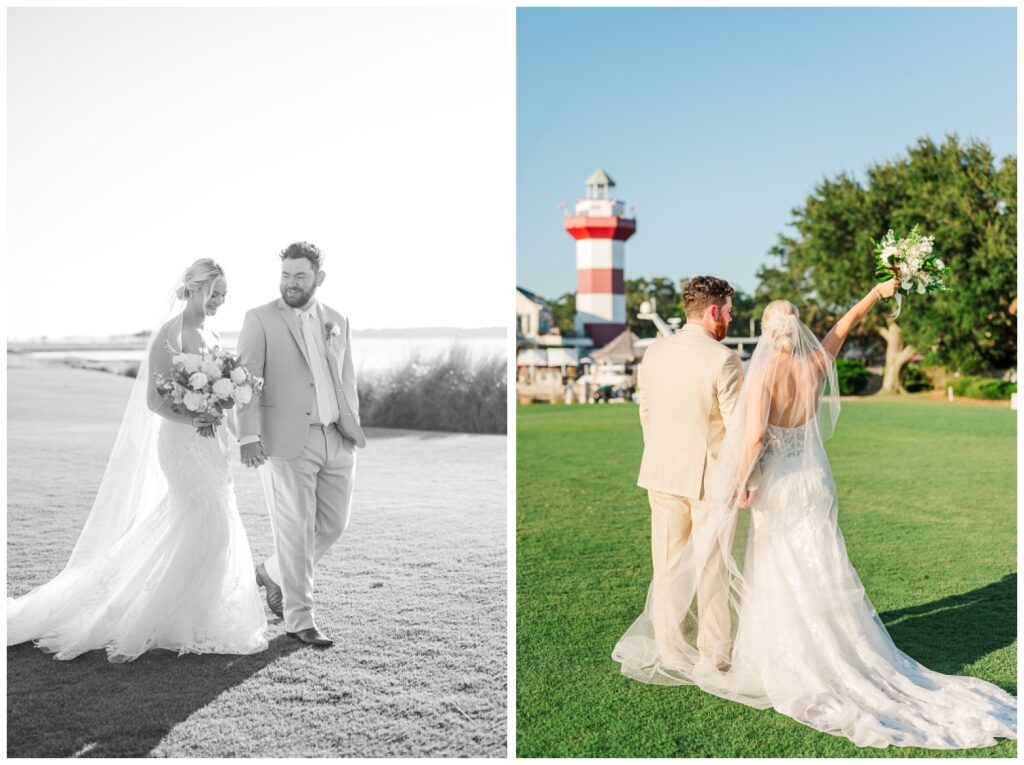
[(807, 640), (810, 644), (163, 561)]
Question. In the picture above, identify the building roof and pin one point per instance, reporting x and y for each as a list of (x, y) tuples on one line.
[(532, 296), (622, 348), (600, 178)]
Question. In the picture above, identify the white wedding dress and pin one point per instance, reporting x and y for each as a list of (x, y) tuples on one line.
[(807, 640), (163, 561), (810, 644)]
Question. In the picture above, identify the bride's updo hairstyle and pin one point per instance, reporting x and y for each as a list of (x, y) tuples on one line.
[(780, 319), (200, 276)]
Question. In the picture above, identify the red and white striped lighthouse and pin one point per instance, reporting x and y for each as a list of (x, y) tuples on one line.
[(600, 229)]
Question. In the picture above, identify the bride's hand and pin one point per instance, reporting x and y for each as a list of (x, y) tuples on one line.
[(886, 289), (206, 424)]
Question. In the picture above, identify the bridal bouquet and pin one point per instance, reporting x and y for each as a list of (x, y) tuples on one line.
[(911, 260), (207, 382)]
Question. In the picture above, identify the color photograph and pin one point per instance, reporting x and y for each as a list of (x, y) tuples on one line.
[(766, 382), (257, 396)]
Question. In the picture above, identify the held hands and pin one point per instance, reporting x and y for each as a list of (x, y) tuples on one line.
[(743, 496), (253, 455), (887, 289)]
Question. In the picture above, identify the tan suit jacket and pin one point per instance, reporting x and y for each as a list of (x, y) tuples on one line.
[(271, 346), (688, 386)]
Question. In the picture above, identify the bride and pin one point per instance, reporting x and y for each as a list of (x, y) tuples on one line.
[(163, 560), (807, 641)]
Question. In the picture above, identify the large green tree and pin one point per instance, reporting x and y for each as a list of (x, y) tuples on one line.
[(668, 303), (958, 193)]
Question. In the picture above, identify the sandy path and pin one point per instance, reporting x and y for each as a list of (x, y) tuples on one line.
[(414, 594)]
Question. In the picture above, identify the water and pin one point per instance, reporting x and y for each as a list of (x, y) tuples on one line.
[(370, 353)]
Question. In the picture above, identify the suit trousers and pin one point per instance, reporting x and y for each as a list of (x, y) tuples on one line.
[(309, 499), (673, 518)]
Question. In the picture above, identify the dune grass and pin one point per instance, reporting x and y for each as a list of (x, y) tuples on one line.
[(454, 392), (927, 504), (414, 594)]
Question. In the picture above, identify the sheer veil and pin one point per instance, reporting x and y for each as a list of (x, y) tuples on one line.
[(789, 401), (132, 485)]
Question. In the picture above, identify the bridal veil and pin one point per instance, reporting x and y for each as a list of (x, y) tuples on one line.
[(132, 485)]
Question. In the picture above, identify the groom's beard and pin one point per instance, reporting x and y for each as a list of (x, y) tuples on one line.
[(299, 298), (721, 329)]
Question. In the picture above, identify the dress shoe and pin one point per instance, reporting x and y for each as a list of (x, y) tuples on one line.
[(312, 636), (275, 598)]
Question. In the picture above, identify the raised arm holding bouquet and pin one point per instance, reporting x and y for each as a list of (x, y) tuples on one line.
[(912, 262)]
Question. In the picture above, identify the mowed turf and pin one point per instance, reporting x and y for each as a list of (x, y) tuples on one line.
[(414, 594), (927, 504)]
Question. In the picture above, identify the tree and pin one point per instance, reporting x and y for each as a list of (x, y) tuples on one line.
[(563, 313), (958, 194), (668, 303)]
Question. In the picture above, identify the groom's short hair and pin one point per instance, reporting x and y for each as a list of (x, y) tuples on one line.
[(704, 291), (304, 250)]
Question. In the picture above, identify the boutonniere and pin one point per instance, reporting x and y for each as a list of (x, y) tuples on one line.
[(331, 330)]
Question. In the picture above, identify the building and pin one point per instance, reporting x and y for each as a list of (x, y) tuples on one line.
[(533, 314)]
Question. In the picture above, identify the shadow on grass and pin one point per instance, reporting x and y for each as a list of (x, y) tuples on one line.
[(90, 707), (950, 633)]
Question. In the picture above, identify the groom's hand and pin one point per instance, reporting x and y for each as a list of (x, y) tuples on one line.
[(253, 455)]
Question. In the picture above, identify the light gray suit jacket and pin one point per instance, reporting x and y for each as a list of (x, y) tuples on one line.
[(271, 346)]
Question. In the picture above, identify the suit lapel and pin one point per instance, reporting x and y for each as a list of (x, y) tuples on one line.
[(292, 322)]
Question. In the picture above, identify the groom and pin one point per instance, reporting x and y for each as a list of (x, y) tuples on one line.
[(306, 424), (689, 384)]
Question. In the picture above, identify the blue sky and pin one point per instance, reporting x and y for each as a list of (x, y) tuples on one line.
[(716, 122)]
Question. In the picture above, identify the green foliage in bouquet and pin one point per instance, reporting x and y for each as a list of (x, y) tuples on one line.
[(911, 259)]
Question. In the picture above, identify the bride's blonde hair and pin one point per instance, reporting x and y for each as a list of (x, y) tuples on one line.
[(773, 319), (201, 275)]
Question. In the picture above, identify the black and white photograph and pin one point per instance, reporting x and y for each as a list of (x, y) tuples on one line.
[(257, 381)]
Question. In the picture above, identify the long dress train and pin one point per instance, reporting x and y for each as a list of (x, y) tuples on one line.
[(180, 578)]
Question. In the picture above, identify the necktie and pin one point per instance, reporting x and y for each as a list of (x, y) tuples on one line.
[(321, 375)]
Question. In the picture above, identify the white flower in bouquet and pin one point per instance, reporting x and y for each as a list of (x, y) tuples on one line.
[(911, 260), (223, 388), (242, 394), (197, 383), (194, 401), (211, 369)]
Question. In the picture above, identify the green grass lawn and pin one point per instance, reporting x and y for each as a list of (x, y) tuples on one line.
[(927, 504)]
